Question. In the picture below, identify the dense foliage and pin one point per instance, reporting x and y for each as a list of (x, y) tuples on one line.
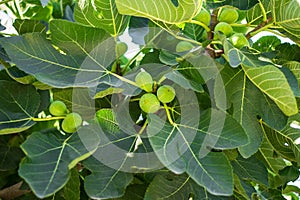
[(196, 109)]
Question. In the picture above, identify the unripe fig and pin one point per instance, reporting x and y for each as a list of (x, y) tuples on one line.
[(224, 27), (149, 103), (203, 16), (184, 46), (71, 122), (239, 40), (228, 15), (144, 80), (166, 93), (58, 108)]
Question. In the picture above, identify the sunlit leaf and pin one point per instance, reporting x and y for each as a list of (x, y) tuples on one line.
[(248, 103), (286, 14), (102, 14), (163, 10), (274, 84)]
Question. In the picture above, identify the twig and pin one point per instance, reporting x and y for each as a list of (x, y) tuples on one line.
[(13, 192), (259, 28), (213, 23)]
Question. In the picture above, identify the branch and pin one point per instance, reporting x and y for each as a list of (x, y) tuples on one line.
[(12, 192), (213, 23), (259, 28)]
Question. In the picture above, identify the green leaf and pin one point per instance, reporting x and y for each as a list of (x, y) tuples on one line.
[(134, 191), (271, 81), (287, 53), (10, 156), (295, 68), (236, 57), (176, 147), (50, 156), (231, 136), (72, 188), (240, 189), (105, 182), (169, 186), (286, 13), (109, 174), (289, 173), (285, 141), (35, 55), (71, 38), (164, 10), (247, 103), (267, 154), (19, 75), (250, 169), (179, 79), (19, 104), (266, 43), (29, 26), (241, 4), (195, 32), (255, 15), (101, 14)]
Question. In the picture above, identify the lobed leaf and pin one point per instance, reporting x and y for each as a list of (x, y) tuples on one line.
[(248, 103), (286, 13), (50, 156), (35, 55), (19, 104), (101, 14), (169, 186), (163, 10), (274, 84)]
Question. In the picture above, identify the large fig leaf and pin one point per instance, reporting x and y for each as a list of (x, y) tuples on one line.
[(286, 141), (50, 156), (19, 104), (74, 39), (272, 82), (35, 55), (169, 186), (294, 66), (248, 103), (180, 150), (266, 154), (102, 14), (241, 4), (163, 10), (255, 15), (105, 182), (286, 14), (250, 169), (114, 161)]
